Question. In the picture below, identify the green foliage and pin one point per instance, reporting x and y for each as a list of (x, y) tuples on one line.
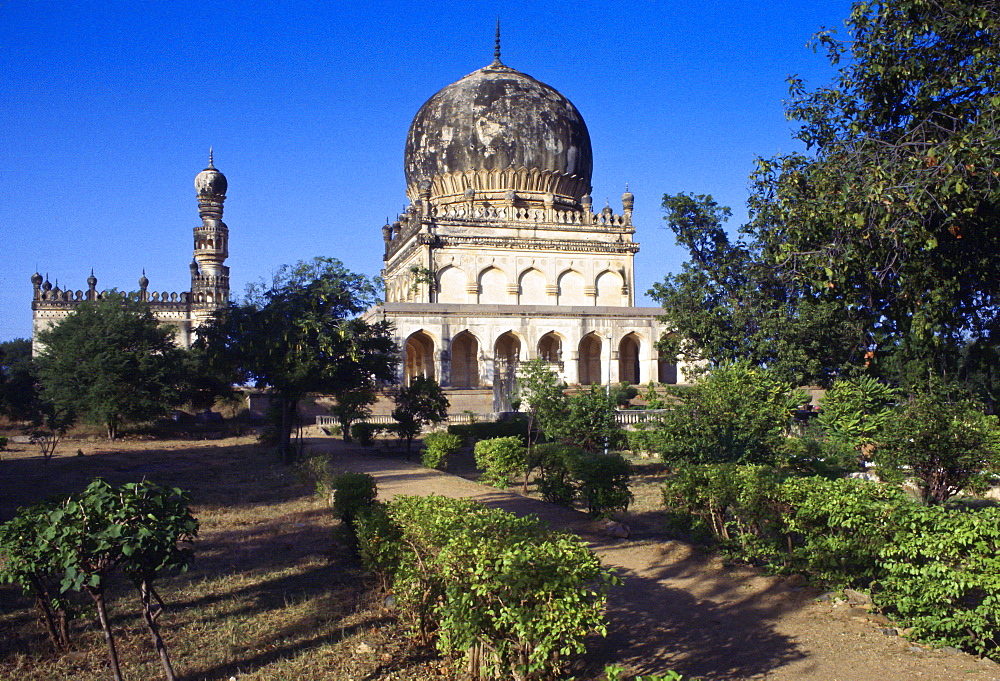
[(515, 600), (839, 526), (301, 334), (942, 577), (728, 304), (499, 459), (831, 529), (110, 363), (485, 430), (856, 410), (736, 413), (600, 481), (947, 446), (314, 471), (18, 390), (352, 493), (894, 212), (438, 448), (80, 540), (364, 432), (418, 404), (353, 405)]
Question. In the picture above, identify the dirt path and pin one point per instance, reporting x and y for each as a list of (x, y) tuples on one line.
[(681, 610)]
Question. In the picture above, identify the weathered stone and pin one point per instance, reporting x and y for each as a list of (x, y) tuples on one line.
[(615, 529), (857, 598)]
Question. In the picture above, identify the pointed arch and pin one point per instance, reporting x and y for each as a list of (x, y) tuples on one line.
[(418, 356), (571, 285), (452, 285), (628, 358), (609, 288), (590, 359), (465, 360), (493, 287), (531, 288)]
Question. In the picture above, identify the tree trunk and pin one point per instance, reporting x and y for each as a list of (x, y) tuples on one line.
[(102, 615), (146, 594)]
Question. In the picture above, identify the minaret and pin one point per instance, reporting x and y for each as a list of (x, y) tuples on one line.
[(209, 274)]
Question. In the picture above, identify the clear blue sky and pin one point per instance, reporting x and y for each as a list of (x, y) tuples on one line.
[(108, 108)]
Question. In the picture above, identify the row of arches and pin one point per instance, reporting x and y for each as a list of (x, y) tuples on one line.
[(493, 287), (464, 364)]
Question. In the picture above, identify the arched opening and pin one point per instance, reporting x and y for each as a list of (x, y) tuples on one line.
[(418, 357), (550, 349), (590, 359), (452, 285), (507, 350), (464, 361), (609, 289), (532, 288), (571, 289), (493, 287), (628, 359)]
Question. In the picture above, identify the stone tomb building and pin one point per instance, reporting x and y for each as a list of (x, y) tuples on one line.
[(500, 257), (184, 311)]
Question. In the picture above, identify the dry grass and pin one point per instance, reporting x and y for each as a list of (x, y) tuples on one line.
[(274, 592)]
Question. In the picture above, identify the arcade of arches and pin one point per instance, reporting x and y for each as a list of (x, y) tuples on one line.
[(459, 362)]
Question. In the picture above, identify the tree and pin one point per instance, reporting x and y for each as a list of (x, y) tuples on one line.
[(110, 363), (301, 334), (17, 381), (418, 404), (728, 304), (894, 212), (947, 445), (353, 405)]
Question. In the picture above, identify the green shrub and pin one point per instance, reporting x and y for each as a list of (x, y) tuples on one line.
[(854, 411), (499, 459), (839, 526), (364, 432), (942, 577), (315, 471), (555, 482), (352, 492), (513, 599), (482, 430), (438, 448), (946, 446), (738, 413), (602, 482)]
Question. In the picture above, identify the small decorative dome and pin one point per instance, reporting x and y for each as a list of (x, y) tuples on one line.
[(47, 286), (607, 210), (194, 267), (36, 279), (143, 281), (91, 280), (210, 182)]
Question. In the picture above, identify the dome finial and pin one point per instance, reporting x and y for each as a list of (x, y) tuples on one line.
[(496, 48), (210, 158)]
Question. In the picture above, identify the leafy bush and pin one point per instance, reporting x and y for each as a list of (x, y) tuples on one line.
[(839, 526), (515, 600), (438, 447), (737, 413), (418, 404), (352, 492), (854, 411), (942, 576), (499, 459), (602, 482), (314, 470), (365, 432), (487, 430), (947, 446), (555, 461)]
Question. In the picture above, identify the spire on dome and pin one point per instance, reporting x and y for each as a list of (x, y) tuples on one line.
[(210, 158), (496, 48)]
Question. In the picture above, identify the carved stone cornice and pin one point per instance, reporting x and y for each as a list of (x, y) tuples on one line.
[(525, 244)]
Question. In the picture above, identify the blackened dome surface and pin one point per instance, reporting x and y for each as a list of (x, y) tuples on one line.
[(497, 118)]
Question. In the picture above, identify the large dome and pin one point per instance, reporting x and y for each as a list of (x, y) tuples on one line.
[(498, 119)]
